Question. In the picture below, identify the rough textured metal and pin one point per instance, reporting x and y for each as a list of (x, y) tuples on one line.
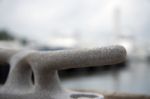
[(44, 65)]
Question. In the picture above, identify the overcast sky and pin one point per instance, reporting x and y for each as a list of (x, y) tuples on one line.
[(91, 20)]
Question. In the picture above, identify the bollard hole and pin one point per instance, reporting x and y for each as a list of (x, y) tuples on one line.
[(33, 78), (4, 71), (29, 69), (26, 73)]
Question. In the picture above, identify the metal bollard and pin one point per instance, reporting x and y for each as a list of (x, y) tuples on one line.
[(45, 64)]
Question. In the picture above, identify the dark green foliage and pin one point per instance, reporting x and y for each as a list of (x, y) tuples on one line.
[(4, 35)]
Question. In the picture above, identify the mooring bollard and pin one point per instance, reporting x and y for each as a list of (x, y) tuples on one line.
[(45, 64)]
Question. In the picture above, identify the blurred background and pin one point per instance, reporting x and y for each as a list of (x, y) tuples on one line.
[(51, 25)]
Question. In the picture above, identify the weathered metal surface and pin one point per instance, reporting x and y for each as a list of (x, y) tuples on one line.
[(45, 64)]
